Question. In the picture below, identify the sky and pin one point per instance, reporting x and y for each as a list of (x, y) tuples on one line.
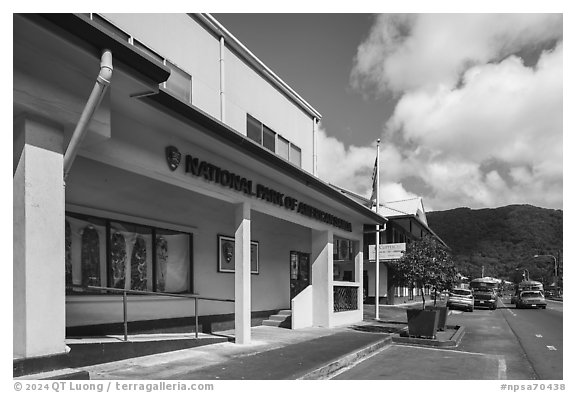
[(468, 107)]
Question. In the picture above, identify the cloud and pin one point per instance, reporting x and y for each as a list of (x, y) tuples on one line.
[(351, 167), (407, 52), (474, 124)]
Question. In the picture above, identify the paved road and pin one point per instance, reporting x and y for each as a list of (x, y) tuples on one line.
[(492, 348), (541, 336)]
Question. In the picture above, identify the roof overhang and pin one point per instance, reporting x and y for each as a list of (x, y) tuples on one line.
[(84, 32), (213, 127), (88, 34)]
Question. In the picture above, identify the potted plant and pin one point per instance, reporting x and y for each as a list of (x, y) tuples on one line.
[(425, 262), (444, 277)]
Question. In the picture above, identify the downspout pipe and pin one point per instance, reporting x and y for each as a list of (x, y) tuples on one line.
[(222, 82), (100, 87)]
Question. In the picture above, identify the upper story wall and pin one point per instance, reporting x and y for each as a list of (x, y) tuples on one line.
[(185, 42)]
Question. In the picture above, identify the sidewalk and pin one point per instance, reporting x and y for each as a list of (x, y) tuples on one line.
[(274, 353)]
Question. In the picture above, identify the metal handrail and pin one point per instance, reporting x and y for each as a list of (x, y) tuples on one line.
[(125, 293)]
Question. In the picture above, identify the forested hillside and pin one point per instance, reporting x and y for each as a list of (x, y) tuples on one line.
[(502, 240)]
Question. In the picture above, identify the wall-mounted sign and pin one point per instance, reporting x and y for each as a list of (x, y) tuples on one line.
[(225, 178), (387, 251)]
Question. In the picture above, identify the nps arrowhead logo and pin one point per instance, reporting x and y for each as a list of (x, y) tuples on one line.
[(173, 157)]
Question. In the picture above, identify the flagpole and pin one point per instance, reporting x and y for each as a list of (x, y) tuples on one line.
[(377, 300)]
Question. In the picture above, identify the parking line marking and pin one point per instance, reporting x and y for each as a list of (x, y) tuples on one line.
[(551, 347), (502, 368)]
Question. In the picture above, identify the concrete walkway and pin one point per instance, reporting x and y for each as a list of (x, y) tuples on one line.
[(274, 353)]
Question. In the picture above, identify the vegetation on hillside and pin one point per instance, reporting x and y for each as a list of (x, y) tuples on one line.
[(503, 241)]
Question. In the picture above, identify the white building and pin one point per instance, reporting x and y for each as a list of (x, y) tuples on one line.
[(196, 175)]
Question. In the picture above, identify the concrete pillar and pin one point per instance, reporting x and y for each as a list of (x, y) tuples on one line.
[(359, 270), (38, 223), (322, 270), (242, 306)]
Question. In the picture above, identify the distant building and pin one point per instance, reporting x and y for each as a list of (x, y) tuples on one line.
[(406, 222), (196, 176)]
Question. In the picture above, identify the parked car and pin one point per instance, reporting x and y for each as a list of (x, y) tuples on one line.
[(461, 298), (485, 297), (531, 299)]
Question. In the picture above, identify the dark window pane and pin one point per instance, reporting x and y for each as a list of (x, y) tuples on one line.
[(254, 130), (269, 139)]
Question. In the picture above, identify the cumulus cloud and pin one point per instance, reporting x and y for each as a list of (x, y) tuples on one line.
[(352, 167), (473, 123), (406, 52)]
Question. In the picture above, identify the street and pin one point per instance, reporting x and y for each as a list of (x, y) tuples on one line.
[(505, 343), (540, 335)]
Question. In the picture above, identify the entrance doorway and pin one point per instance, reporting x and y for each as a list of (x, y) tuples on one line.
[(299, 272)]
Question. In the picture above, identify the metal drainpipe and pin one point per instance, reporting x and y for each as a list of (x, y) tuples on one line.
[(315, 147), (102, 83), (222, 83)]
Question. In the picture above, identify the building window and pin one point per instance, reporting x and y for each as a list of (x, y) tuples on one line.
[(265, 136), (269, 139), (283, 147), (343, 257), (295, 155), (109, 253), (254, 130)]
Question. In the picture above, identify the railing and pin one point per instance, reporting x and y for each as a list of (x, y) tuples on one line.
[(125, 293), (345, 298)]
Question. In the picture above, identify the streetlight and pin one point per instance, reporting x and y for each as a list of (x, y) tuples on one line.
[(555, 265)]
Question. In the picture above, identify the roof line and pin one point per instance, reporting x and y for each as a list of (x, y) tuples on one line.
[(216, 27)]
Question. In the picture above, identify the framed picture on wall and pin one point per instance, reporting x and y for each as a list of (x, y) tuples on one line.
[(226, 259)]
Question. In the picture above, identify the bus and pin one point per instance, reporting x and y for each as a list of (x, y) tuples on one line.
[(485, 291), (527, 285)]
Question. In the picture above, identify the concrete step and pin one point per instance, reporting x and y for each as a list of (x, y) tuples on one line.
[(282, 319), (279, 317), (269, 322)]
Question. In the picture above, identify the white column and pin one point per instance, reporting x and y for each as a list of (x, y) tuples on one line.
[(359, 266), (322, 270), (38, 223), (242, 304)]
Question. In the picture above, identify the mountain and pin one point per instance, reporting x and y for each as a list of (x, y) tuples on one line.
[(503, 240)]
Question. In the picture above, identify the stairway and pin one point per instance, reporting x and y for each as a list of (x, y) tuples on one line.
[(283, 319)]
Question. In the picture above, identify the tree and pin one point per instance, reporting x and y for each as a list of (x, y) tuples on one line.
[(425, 262)]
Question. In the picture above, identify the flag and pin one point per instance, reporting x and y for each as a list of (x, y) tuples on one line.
[(373, 197)]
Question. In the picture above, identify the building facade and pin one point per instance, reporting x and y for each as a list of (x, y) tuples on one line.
[(192, 173), (406, 222)]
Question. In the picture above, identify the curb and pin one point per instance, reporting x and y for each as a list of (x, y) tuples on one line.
[(63, 374), (330, 369), (426, 342)]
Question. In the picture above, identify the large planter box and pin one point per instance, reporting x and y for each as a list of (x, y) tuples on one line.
[(422, 323), (442, 316)]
